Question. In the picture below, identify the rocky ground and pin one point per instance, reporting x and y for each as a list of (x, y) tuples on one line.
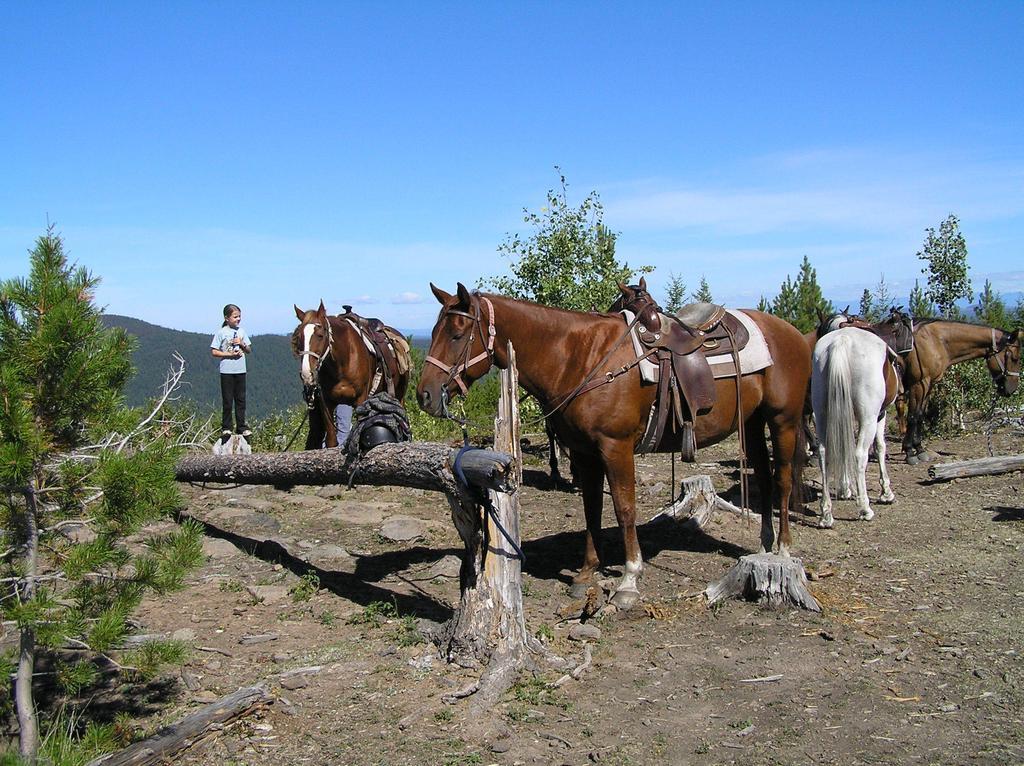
[(915, 658)]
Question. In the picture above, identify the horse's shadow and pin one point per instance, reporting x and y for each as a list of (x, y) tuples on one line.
[(1005, 513)]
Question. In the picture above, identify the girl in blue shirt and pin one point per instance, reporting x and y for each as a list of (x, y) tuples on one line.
[(230, 344)]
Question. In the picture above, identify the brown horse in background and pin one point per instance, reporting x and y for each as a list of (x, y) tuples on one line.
[(336, 368), (559, 353), (939, 344)]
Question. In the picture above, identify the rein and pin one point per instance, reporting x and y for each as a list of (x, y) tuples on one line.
[(455, 373), (311, 390), (996, 351)]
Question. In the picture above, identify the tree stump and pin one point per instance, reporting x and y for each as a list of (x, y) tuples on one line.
[(696, 504), (772, 580), (489, 630)]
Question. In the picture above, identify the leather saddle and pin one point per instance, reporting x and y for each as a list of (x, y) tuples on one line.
[(680, 345), (897, 331), (390, 347)]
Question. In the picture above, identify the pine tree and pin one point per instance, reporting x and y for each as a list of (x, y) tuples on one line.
[(764, 305), (71, 457), (703, 294), (882, 299), (675, 293), (866, 310), (785, 304), (948, 273), (809, 299), (569, 259), (919, 305), (991, 309)]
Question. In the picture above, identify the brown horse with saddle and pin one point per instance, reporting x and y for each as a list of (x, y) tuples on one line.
[(345, 359), (585, 370)]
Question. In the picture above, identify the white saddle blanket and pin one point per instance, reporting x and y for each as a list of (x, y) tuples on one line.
[(755, 356)]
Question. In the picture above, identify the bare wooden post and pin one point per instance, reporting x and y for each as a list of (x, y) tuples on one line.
[(489, 629)]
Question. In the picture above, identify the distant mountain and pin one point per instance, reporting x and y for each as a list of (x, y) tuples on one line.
[(272, 384)]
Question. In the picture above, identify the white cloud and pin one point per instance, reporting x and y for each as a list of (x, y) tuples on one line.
[(407, 298)]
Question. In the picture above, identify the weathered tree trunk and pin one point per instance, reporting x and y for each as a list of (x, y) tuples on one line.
[(697, 503), (776, 581), (421, 465), (979, 467), (185, 732), (489, 628), (28, 724)]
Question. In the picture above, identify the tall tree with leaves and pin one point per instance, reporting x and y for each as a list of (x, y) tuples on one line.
[(799, 302), (866, 310), (948, 273), (785, 304), (569, 258), (703, 294), (70, 457), (675, 293)]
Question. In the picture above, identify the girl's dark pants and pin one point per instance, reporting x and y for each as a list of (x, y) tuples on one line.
[(232, 389)]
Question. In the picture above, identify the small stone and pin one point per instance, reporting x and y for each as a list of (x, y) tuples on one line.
[(267, 594), (501, 746), (205, 696), (583, 632), (190, 680), (402, 529), (183, 634), (948, 708), (298, 681)]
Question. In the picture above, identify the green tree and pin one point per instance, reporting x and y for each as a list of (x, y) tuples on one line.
[(569, 258), (764, 305), (703, 294), (785, 305), (948, 273), (72, 458), (920, 306), (799, 302), (866, 309), (990, 308), (675, 293)]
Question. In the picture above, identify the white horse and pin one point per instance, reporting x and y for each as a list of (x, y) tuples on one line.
[(852, 382)]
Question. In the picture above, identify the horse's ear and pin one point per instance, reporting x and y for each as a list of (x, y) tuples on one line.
[(299, 313), (624, 290), (820, 313), (321, 309), (643, 284), (441, 295), (465, 299)]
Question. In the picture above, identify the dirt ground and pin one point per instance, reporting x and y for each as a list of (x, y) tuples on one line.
[(915, 658)]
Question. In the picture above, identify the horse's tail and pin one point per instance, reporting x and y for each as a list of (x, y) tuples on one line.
[(840, 440)]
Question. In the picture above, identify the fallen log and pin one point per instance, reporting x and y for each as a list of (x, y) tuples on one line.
[(420, 465), (979, 467), (776, 581), (176, 737)]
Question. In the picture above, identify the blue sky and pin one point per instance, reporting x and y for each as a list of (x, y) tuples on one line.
[(266, 154)]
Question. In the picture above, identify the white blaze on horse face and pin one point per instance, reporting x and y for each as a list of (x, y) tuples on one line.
[(307, 373)]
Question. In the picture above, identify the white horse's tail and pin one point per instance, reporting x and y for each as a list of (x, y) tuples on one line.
[(840, 438)]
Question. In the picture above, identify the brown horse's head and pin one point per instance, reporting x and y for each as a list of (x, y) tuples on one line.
[(1004, 362), (459, 351), (636, 299), (311, 341)]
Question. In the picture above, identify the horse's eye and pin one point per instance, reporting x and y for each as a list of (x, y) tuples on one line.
[(458, 336)]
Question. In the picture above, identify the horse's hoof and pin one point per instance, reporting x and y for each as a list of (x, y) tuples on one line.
[(887, 499), (867, 515), (579, 589), (913, 460), (926, 456), (625, 599), (826, 523)]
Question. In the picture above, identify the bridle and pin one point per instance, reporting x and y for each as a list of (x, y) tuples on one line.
[(311, 390), (456, 372), (999, 353)]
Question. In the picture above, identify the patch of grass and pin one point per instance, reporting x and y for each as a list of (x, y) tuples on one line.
[(305, 588), (742, 724), (703, 747), (444, 715), (545, 633), (230, 585), (327, 618), (408, 634), (374, 614)]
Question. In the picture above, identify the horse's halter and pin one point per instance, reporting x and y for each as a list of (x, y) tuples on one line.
[(999, 354), (455, 373), (310, 389)]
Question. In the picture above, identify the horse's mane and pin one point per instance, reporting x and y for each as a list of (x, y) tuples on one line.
[(558, 309)]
